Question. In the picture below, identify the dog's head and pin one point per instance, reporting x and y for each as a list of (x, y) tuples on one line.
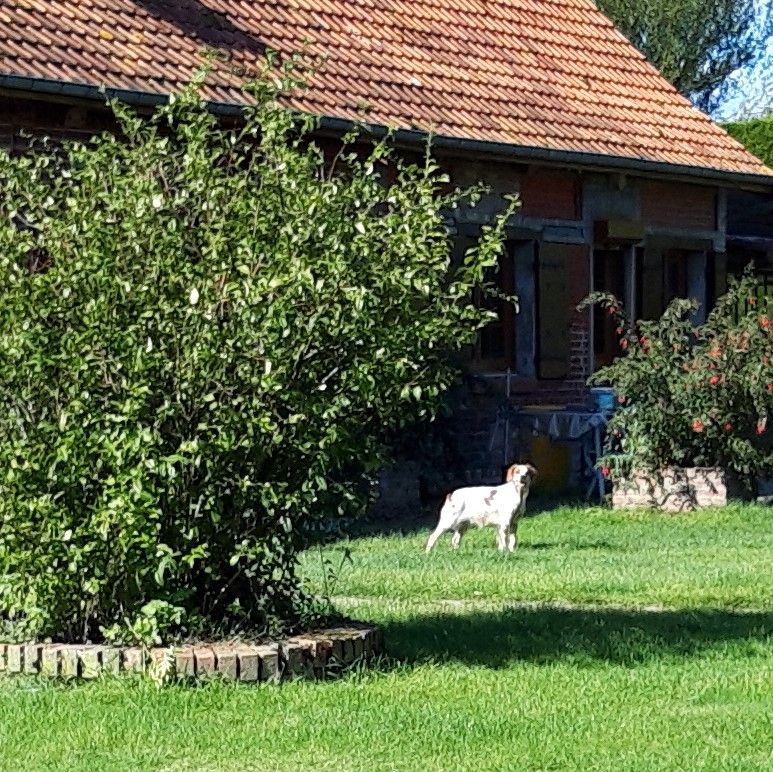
[(522, 473)]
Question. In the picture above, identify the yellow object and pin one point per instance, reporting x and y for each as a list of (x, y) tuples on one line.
[(552, 461)]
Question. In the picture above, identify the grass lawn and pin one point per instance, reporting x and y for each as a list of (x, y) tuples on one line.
[(608, 641), (720, 557)]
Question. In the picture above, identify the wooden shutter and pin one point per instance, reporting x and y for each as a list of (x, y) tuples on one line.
[(553, 311)]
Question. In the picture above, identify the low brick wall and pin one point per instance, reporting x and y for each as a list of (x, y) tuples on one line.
[(679, 490), (312, 655)]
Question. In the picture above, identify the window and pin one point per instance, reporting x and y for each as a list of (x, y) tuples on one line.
[(620, 273), (609, 275), (674, 275), (549, 280), (495, 349), (667, 273)]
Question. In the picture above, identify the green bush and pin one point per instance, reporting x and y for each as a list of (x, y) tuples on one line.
[(204, 332), (755, 135), (692, 396)]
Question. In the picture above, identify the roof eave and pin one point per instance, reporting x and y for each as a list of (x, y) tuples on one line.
[(418, 137), (573, 158)]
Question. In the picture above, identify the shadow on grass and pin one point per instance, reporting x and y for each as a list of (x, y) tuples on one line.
[(426, 519), (544, 635), (574, 546)]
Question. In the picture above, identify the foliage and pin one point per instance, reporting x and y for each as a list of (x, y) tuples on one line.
[(696, 44), (756, 136), (692, 396), (205, 329)]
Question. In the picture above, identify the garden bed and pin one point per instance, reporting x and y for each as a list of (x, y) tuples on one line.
[(311, 655), (678, 489)]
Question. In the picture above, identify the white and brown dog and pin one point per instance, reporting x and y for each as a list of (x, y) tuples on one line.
[(500, 506)]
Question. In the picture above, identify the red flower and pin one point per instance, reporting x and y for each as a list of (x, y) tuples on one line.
[(619, 330), (623, 344), (621, 399), (761, 428), (715, 352), (714, 380), (770, 388), (697, 426), (728, 427), (611, 310), (764, 322), (605, 471), (644, 341)]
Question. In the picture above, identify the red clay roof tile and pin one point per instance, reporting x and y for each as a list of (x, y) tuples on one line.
[(552, 74)]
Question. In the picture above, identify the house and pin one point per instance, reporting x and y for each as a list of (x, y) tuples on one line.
[(624, 184), (750, 233)]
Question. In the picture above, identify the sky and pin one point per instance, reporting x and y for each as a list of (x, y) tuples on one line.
[(754, 93)]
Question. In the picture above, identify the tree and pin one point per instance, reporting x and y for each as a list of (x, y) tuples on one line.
[(756, 135), (205, 332), (696, 44)]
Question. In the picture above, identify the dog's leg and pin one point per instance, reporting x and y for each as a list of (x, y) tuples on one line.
[(512, 539), (456, 539), (445, 522), (434, 536), (501, 538)]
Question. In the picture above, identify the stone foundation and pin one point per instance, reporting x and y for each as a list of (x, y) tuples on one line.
[(312, 655), (679, 490)]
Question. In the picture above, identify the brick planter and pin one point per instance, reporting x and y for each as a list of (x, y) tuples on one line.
[(312, 655), (679, 490)]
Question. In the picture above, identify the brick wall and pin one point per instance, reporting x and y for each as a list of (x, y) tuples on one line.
[(570, 390), (680, 206), (549, 194)]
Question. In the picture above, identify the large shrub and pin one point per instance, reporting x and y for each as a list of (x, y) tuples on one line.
[(692, 396), (204, 332)]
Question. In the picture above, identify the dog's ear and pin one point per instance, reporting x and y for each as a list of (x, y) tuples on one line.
[(511, 472), (531, 470)]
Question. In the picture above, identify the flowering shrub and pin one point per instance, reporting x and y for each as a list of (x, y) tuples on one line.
[(692, 396)]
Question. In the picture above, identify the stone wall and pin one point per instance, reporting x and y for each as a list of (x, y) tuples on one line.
[(679, 490)]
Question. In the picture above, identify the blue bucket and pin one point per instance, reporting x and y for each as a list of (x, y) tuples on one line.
[(604, 397)]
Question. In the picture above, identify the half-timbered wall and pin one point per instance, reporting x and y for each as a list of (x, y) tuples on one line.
[(658, 238)]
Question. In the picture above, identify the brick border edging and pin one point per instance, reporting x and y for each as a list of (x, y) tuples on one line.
[(311, 655)]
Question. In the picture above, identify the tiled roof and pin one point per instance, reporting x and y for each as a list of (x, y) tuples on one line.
[(549, 74)]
